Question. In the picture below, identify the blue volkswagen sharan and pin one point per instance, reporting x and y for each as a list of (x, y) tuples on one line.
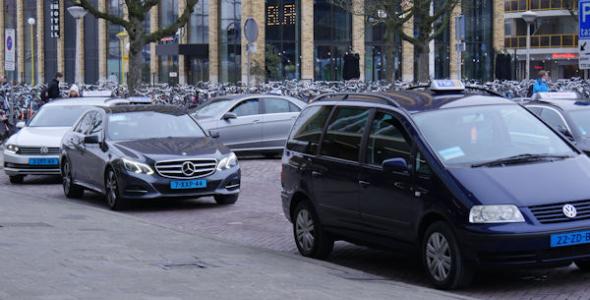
[(471, 181)]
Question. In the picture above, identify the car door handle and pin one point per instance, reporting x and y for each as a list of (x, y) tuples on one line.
[(364, 183), (316, 174)]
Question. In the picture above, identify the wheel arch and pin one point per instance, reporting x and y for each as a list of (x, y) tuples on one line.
[(297, 198), (427, 220)]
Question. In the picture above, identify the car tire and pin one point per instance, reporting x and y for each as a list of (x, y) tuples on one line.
[(442, 258), (226, 199), (71, 190), (112, 193), (310, 237), (17, 179), (583, 264)]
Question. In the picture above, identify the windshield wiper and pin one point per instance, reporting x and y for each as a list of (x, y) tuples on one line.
[(521, 158)]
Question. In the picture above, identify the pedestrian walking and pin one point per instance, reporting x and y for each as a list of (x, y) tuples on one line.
[(52, 91), (540, 85)]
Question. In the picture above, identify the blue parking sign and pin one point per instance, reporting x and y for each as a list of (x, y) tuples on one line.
[(584, 19)]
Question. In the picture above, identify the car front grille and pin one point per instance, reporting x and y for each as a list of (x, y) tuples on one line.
[(553, 213), (38, 150), (186, 168)]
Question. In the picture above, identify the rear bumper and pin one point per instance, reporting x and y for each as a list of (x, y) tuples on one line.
[(520, 250), (15, 164)]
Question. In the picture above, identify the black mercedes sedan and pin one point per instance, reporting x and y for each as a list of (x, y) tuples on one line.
[(145, 152)]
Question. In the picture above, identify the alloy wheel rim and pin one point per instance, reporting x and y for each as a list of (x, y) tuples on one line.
[(111, 189), (67, 177), (438, 256), (304, 230)]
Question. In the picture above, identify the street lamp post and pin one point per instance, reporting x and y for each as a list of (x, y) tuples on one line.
[(124, 53), (529, 17), (78, 13), (31, 22)]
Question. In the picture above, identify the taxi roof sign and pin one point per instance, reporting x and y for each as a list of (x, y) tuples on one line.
[(556, 96), (447, 85)]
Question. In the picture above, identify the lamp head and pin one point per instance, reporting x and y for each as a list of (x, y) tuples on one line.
[(77, 11), (529, 16)]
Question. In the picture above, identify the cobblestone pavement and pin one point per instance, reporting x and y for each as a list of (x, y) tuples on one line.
[(257, 220)]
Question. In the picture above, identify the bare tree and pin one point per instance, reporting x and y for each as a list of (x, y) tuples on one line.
[(138, 12), (394, 14)]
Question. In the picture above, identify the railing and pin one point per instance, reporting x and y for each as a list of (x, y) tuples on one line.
[(511, 6), (543, 41)]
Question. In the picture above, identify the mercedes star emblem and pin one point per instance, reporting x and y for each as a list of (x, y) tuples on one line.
[(188, 168), (570, 211)]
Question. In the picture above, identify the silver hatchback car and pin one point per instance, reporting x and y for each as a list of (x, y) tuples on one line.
[(258, 123)]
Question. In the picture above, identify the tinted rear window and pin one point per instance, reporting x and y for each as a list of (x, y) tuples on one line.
[(307, 130), (345, 133)]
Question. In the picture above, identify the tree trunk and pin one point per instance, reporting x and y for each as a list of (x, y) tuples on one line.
[(389, 58), (136, 45), (423, 63)]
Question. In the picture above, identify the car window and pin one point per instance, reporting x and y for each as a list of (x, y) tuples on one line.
[(275, 106), (246, 108), (96, 126), (344, 133), (536, 110), (293, 107), (552, 118), (86, 123), (79, 126), (421, 166), (472, 135), (307, 130), (387, 140)]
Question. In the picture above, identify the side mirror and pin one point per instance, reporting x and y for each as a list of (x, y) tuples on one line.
[(91, 139), (214, 134), (395, 165), (21, 125), (229, 115)]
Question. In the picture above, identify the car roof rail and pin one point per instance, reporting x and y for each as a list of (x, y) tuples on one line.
[(356, 97)]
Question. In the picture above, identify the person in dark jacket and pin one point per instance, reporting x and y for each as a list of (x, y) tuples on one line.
[(53, 88)]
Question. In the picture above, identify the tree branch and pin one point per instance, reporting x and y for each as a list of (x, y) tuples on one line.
[(171, 29), (99, 14)]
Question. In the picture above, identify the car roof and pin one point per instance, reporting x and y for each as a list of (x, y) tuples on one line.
[(419, 101), (567, 105), (93, 101), (165, 109)]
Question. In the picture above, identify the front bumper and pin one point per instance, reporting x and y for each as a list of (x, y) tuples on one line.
[(532, 249), (141, 186), (17, 164)]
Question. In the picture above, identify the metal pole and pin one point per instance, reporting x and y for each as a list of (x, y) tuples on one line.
[(32, 57), (459, 54), (78, 73), (528, 52), (248, 50)]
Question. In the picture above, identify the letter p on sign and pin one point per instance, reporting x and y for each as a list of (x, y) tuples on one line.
[(585, 11)]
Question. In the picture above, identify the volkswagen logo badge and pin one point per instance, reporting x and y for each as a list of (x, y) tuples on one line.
[(44, 150), (570, 211), (188, 169)]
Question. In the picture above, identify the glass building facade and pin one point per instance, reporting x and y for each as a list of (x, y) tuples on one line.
[(198, 34), (479, 54), (168, 64), (332, 39), (230, 46), (376, 64), (283, 39)]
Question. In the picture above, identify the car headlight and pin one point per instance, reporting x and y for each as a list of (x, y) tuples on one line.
[(137, 167), (228, 162), (12, 148), (495, 214)]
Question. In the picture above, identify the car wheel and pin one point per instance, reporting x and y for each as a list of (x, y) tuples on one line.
[(16, 179), (226, 199), (71, 190), (113, 197), (583, 264), (442, 258), (310, 237)]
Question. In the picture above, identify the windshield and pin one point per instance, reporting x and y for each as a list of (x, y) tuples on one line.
[(471, 135), (57, 116), (581, 119), (149, 125), (213, 109)]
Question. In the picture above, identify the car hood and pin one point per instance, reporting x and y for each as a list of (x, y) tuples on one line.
[(529, 184), (39, 136), (172, 148)]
